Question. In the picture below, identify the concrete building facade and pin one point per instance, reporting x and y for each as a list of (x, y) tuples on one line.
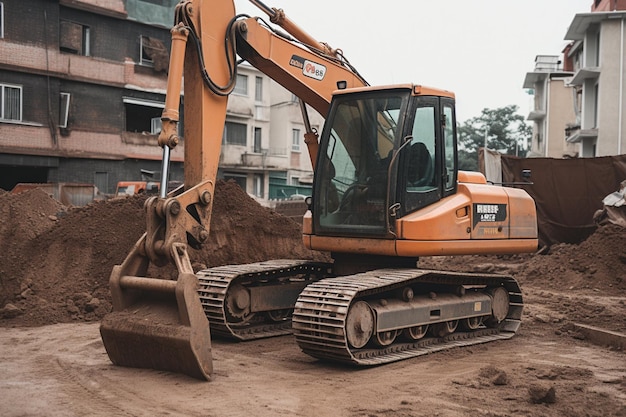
[(553, 108), (81, 85), (580, 95), (82, 88), (263, 145), (598, 53)]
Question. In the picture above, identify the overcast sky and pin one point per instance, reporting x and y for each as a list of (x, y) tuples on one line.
[(479, 49)]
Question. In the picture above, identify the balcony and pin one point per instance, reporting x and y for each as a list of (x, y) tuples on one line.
[(256, 160), (536, 115), (574, 134), (584, 74)]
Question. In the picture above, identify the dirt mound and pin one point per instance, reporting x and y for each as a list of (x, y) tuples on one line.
[(56, 260), (243, 231), (59, 259), (596, 264), (23, 219)]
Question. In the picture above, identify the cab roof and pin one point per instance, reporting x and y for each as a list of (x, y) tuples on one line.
[(416, 89)]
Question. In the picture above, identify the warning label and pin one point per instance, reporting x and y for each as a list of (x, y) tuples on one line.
[(488, 213), (309, 68)]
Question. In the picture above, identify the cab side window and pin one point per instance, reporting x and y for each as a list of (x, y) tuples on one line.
[(421, 163), (449, 144), (420, 160)]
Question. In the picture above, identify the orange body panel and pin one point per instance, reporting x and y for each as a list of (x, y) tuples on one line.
[(478, 219), (204, 124), (522, 215), (352, 245), (418, 90), (307, 75), (467, 223)]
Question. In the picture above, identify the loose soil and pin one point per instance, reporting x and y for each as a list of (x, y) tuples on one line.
[(54, 273)]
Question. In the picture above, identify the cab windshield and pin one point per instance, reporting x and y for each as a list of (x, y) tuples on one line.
[(352, 175)]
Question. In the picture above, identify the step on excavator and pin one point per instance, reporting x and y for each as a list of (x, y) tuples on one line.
[(386, 191)]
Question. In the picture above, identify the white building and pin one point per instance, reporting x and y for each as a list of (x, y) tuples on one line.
[(599, 57), (553, 108), (263, 144)]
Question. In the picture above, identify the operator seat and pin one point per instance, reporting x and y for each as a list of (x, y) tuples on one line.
[(421, 166)]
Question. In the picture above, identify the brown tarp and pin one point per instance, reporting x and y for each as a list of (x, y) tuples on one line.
[(567, 192)]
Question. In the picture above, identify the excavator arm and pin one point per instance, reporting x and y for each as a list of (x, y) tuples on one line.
[(309, 69), (387, 191), (157, 323)]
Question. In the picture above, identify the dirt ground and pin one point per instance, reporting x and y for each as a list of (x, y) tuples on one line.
[(54, 273)]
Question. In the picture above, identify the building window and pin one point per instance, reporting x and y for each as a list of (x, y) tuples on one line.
[(1, 19), (259, 112), (235, 134), (241, 86), (295, 140), (596, 105), (11, 106), (155, 125), (64, 109), (145, 57), (74, 38), (258, 185), (258, 89), (153, 53), (141, 115), (257, 140)]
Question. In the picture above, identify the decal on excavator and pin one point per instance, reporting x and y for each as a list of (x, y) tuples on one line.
[(488, 213), (309, 68)]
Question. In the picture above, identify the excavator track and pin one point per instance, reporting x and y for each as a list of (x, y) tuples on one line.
[(253, 301), (322, 325)]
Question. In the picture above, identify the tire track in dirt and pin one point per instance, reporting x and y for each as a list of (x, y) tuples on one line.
[(63, 370)]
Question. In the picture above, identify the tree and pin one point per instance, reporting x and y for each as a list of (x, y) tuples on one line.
[(502, 129)]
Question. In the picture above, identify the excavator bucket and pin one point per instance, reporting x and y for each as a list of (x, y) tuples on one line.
[(158, 324)]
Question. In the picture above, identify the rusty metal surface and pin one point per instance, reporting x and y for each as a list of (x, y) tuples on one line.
[(320, 319), (160, 331), (255, 300), (157, 323)]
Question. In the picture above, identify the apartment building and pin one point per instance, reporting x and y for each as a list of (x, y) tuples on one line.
[(82, 88), (553, 108), (599, 57), (580, 95), (263, 145)]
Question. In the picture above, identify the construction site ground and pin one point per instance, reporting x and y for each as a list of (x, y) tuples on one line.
[(55, 264)]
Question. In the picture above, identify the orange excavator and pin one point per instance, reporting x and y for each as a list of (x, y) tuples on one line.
[(386, 191)]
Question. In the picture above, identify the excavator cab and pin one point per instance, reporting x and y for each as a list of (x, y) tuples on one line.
[(386, 191), (387, 185), (384, 153)]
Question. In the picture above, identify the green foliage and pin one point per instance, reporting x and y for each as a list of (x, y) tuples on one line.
[(505, 130)]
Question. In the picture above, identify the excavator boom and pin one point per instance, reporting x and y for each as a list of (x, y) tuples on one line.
[(163, 324), (386, 191)]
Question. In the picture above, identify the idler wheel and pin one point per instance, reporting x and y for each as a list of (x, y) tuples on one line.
[(359, 324), (499, 306)]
